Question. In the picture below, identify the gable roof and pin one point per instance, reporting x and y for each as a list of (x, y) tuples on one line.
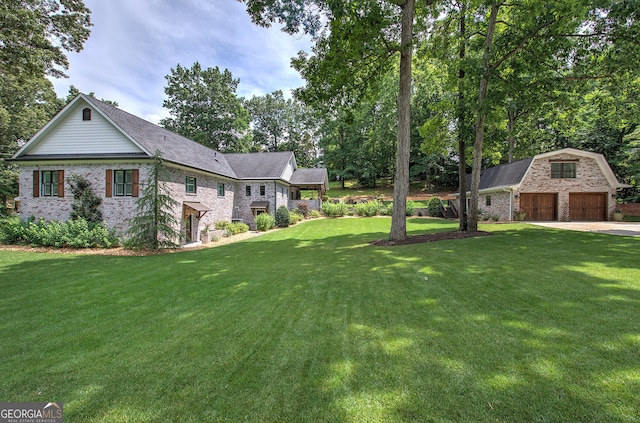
[(510, 175), (260, 165), (147, 136), (174, 148), (310, 176), (599, 158)]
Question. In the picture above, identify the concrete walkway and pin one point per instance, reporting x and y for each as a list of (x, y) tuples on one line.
[(611, 228)]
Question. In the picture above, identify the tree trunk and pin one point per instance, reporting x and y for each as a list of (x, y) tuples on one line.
[(462, 155), (479, 132), (401, 181), (511, 126), (342, 160)]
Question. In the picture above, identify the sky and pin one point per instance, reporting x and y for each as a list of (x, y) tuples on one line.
[(134, 44)]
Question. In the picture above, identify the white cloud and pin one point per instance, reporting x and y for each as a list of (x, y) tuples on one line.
[(133, 45)]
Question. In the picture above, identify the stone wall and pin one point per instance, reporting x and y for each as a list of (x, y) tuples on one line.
[(589, 178), (313, 204), (117, 211)]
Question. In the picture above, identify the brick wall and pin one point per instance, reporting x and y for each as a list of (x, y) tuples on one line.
[(630, 209), (500, 205), (589, 178), (206, 194), (116, 211)]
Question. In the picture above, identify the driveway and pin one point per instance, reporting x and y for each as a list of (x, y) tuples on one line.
[(611, 228)]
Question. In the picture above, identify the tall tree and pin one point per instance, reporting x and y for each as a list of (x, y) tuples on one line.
[(204, 107), (154, 225), (356, 47), (26, 104), (36, 34), (34, 39), (267, 116), (531, 29)]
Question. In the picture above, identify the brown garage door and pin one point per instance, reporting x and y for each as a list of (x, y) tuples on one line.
[(587, 206), (539, 206)]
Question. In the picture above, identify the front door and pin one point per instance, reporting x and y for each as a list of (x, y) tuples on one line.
[(188, 230)]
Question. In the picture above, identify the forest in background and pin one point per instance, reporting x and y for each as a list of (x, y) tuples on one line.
[(565, 76)]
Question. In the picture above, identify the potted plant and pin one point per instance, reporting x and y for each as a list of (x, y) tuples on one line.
[(518, 215), (617, 214), (205, 234)]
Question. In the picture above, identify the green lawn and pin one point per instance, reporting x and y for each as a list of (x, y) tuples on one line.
[(312, 324)]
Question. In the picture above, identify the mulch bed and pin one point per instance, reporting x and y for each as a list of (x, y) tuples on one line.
[(419, 239)]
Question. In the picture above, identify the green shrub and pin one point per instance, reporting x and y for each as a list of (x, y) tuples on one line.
[(334, 209), (236, 228), (264, 222), (74, 233), (435, 207), (386, 209), (410, 208), (11, 230), (295, 217), (283, 218), (314, 214), (370, 208), (221, 224)]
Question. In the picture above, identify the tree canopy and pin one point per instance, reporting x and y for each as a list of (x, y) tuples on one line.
[(36, 34), (34, 40), (528, 77), (205, 108)]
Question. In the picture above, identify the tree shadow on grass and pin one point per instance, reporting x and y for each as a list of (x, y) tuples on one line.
[(524, 325)]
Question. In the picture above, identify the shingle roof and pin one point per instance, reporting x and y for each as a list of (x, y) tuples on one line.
[(174, 148), (503, 175), (183, 151), (309, 176), (259, 165)]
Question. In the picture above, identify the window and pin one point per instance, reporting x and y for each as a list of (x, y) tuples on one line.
[(262, 190), (487, 200), (48, 183), (247, 190), (49, 186), (121, 183), (563, 170), (220, 189), (190, 185), (86, 114)]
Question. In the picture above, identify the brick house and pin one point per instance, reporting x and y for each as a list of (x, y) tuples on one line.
[(562, 185), (114, 150)]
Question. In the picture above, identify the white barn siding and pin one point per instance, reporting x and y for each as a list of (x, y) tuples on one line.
[(73, 135)]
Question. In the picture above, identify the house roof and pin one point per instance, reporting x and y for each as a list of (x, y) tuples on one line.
[(505, 175), (310, 176), (174, 148), (260, 165), (149, 138), (510, 175)]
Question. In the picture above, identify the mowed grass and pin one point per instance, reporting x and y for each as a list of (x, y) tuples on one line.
[(313, 324)]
